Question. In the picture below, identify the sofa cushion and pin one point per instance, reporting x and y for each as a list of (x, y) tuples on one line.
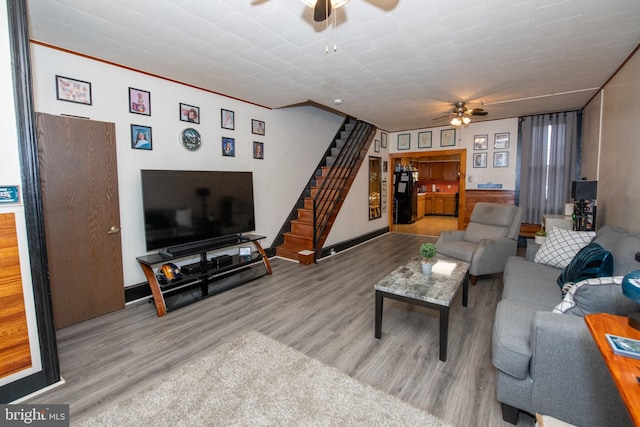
[(591, 261), (511, 352), (623, 252), (562, 245), (531, 282), (597, 295), (608, 235)]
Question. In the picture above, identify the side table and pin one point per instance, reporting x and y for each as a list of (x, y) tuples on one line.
[(624, 370)]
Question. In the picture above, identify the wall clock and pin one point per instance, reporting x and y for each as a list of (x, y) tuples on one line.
[(190, 139)]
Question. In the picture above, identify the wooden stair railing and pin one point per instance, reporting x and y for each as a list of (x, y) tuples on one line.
[(312, 217)]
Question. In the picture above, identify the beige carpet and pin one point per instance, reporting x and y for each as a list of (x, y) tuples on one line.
[(254, 380)]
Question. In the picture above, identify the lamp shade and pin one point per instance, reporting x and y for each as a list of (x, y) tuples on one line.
[(584, 190)]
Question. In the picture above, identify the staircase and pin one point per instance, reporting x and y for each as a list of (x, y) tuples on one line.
[(310, 221)]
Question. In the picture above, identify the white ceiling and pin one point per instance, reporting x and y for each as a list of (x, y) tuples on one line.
[(399, 63)]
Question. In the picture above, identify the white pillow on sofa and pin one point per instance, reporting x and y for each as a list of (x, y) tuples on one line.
[(561, 246), (597, 295)]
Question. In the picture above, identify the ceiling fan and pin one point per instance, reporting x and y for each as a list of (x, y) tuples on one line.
[(461, 114)]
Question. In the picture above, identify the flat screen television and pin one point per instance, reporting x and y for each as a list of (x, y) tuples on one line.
[(189, 206)]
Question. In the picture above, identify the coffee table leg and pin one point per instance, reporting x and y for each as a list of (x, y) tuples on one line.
[(465, 289), (444, 332), (378, 327)]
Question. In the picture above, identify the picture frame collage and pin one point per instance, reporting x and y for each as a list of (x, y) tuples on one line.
[(481, 144), (447, 139), (80, 92)]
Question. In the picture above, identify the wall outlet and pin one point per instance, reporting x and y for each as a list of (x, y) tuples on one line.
[(470, 178)]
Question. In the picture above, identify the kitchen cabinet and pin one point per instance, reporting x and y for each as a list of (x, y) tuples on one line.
[(439, 204), (421, 205), (450, 172), (436, 171)]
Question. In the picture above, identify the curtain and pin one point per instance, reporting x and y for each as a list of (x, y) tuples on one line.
[(549, 163)]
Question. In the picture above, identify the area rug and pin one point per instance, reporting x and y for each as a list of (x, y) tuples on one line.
[(255, 380)]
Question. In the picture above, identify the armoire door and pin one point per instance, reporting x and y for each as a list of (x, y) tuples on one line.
[(78, 175)]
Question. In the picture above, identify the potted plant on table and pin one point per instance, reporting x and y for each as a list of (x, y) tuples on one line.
[(540, 237), (428, 252)]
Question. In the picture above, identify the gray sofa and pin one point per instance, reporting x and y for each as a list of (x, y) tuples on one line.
[(547, 362)]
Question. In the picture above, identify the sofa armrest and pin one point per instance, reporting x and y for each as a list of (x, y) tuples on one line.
[(491, 256), (532, 249), (570, 379), (451, 235)]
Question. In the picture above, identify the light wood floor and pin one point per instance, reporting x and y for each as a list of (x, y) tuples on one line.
[(326, 311), (429, 225)]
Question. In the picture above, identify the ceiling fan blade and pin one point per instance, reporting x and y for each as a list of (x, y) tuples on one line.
[(478, 112), (322, 10), (443, 117)]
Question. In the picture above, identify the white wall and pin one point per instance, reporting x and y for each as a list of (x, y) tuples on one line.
[(464, 139), (614, 134), (10, 174), (294, 141)]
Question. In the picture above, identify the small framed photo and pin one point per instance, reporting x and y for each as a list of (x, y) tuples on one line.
[(479, 160), (139, 101), (258, 150), (383, 139), (385, 168), (447, 137), (376, 145), (244, 253), (501, 141), (424, 139), (404, 141), (500, 159), (141, 137), (189, 113), (257, 127), (228, 147), (73, 90), (480, 142), (227, 119)]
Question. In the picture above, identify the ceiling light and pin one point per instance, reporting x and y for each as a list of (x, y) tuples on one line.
[(466, 120), (334, 4), (337, 101), (456, 121)]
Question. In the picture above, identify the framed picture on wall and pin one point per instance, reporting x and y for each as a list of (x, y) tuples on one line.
[(383, 139), (73, 90), (479, 160), (141, 137), (189, 113), (500, 159), (258, 150), (424, 139), (139, 101), (480, 142), (227, 119), (447, 137), (501, 141), (404, 141), (376, 145), (257, 127), (228, 147)]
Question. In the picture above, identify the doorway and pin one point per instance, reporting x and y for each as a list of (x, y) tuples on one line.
[(435, 222)]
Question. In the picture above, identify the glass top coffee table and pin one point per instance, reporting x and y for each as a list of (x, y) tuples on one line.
[(408, 284)]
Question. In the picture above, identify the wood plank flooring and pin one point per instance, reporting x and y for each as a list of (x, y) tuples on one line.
[(325, 310)]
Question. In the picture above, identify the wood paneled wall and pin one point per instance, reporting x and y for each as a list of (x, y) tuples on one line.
[(15, 353), (507, 197)]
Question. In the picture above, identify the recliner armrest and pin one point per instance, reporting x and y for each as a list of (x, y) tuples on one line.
[(491, 255), (451, 235), (570, 379)]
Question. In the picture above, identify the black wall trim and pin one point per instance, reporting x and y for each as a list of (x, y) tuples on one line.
[(326, 251), (32, 199)]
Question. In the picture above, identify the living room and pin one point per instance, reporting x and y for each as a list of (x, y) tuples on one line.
[(609, 147)]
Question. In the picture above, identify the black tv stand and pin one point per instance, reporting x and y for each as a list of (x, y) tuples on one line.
[(207, 277)]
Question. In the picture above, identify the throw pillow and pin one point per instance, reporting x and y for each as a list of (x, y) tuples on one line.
[(598, 295), (561, 246), (591, 261)]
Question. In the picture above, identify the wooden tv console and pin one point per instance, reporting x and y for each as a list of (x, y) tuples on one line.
[(207, 277)]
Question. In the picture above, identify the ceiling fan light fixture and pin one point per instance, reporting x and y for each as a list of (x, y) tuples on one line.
[(466, 120), (456, 121), (335, 4)]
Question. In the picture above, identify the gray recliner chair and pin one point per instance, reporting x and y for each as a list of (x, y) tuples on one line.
[(490, 238)]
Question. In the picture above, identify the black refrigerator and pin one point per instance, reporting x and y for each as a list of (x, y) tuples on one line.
[(405, 199)]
